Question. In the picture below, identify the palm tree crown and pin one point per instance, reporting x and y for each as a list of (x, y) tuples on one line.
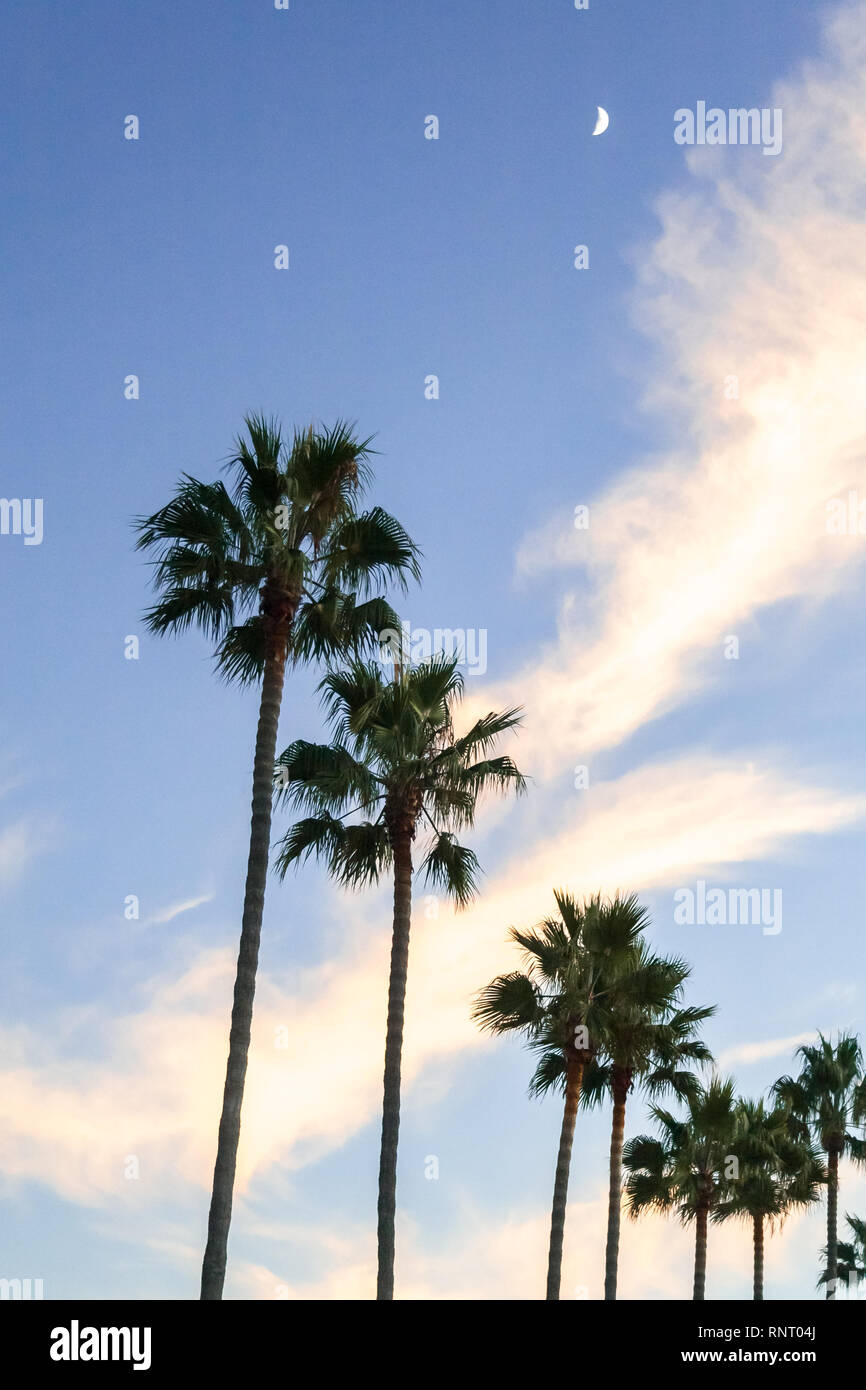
[(564, 1002), (828, 1098), (650, 1039), (284, 557), (396, 765)]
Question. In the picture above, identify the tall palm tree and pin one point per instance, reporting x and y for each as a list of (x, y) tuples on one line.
[(650, 1044), (272, 572), (685, 1170), (850, 1256), (777, 1172), (580, 966), (828, 1100), (397, 762)]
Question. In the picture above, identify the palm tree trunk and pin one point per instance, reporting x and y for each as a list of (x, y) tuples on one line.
[(393, 1053), (573, 1084), (614, 1205), (758, 1279), (214, 1264), (700, 1252), (832, 1204)]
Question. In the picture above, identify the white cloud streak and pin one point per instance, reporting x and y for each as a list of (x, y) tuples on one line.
[(168, 914), (757, 276), (315, 1070), (747, 1053)]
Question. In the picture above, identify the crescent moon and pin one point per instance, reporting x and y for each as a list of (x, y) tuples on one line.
[(602, 121)]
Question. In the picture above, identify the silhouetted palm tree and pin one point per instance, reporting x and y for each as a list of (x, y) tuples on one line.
[(398, 764), (581, 965), (776, 1174), (850, 1256), (685, 1170), (828, 1101), (649, 1044), (272, 573)]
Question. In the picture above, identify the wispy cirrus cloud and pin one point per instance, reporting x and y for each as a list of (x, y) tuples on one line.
[(168, 914), (315, 1070), (24, 836), (751, 287), (17, 847), (744, 1054), (22, 841)]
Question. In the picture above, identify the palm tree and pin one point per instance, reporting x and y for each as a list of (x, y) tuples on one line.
[(564, 1005), (272, 573), (650, 1043), (828, 1101), (776, 1173), (396, 761), (687, 1169), (850, 1255)]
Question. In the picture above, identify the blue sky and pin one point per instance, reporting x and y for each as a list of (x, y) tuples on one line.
[(558, 387)]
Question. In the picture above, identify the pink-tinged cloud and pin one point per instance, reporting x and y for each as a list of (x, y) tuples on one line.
[(314, 1078)]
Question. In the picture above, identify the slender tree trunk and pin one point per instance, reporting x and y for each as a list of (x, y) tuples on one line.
[(614, 1204), (758, 1279), (393, 1053), (573, 1083), (700, 1251), (832, 1204), (214, 1265)]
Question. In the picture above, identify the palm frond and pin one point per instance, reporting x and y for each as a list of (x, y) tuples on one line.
[(240, 656), (365, 854), (508, 1003), (367, 548), (492, 774), (485, 732), (210, 607), (322, 837), (452, 867), (323, 777), (549, 1074), (332, 624)]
